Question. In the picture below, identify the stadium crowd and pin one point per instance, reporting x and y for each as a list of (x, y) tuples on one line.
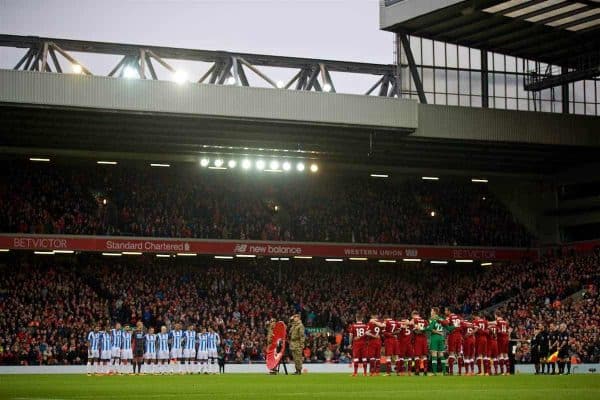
[(47, 306), (182, 203)]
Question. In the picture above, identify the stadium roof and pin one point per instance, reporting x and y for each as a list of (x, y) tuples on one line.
[(559, 32)]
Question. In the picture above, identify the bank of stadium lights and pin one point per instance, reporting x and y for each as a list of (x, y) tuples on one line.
[(180, 77), (430, 178), (303, 257), (224, 257), (432, 213), (76, 68), (42, 253), (380, 176), (479, 180), (387, 261), (101, 162), (245, 255), (163, 256), (438, 262), (486, 264), (464, 261), (130, 73), (334, 259), (358, 258), (39, 159), (4, 250), (160, 165), (411, 259), (108, 254), (132, 253), (257, 164), (280, 259)]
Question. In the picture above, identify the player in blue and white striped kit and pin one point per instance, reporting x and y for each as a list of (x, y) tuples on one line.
[(176, 339), (202, 354), (93, 342), (163, 350), (117, 337), (126, 350), (213, 341), (105, 349), (150, 354), (189, 348)]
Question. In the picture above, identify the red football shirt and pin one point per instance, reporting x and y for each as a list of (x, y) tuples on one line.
[(502, 328), (481, 326), (419, 324), (358, 331), (391, 328)]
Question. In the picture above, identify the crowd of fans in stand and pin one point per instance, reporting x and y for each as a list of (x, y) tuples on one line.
[(200, 204), (48, 306)]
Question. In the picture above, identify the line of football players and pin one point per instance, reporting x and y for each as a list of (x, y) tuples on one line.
[(418, 343)]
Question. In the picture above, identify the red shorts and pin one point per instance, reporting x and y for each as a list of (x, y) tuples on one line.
[(492, 348), (374, 348), (481, 346), (420, 349), (390, 346), (359, 349), (454, 343), (502, 344), (404, 348), (469, 347)]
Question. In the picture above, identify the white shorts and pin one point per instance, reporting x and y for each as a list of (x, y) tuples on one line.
[(115, 352), (176, 353), (149, 356), (189, 353), (213, 354), (93, 353), (126, 354), (105, 355), (202, 355), (163, 354)]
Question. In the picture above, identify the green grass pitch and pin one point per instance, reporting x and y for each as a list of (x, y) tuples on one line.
[(309, 386)]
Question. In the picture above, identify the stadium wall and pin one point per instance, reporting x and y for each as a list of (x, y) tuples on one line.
[(225, 101), (253, 368)]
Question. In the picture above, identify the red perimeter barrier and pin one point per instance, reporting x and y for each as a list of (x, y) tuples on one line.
[(259, 248)]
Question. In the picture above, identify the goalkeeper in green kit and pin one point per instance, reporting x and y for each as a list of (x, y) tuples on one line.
[(437, 340)]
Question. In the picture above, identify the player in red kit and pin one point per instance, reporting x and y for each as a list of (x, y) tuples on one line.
[(468, 347), (389, 341), (492, 347), (502, 331), (374, 331), (420, 348), (454, 325), (481, 334), (404, 349), (358, 339)]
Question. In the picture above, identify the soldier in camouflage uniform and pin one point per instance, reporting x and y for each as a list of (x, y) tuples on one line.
[(297, 342)]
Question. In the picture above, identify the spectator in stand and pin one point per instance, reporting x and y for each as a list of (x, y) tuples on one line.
[(48, 305), (182, 203)]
